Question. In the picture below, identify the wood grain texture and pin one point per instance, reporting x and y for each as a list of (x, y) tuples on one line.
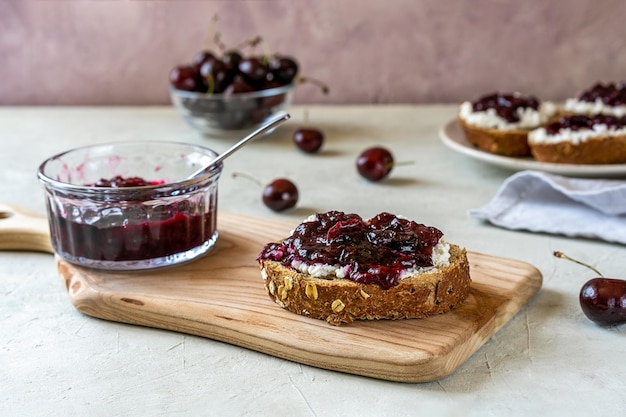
[(21, 229), (221, 297)]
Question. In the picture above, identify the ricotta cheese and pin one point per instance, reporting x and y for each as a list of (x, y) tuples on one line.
[(541, 136), (596, 107), (528, 118)]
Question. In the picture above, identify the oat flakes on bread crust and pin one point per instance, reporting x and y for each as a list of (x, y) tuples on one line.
[(340, 300)]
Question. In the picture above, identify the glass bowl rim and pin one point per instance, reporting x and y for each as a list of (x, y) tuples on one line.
[(234, 96), (184, 183)]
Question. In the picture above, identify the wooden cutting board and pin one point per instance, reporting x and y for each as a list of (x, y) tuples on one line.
[(221, 297)]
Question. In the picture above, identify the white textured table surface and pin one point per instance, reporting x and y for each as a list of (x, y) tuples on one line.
[(549, 360)]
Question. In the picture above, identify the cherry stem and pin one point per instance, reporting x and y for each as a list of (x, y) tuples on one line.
[(266, 51), (211, 84), (396, 164), (564, 256), (248, 177), (252, 43), (321, 85), (210, 37), (217, 40), (401, 163), (305, 117)]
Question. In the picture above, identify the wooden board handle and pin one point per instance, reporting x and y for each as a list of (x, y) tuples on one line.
[(21, 229)]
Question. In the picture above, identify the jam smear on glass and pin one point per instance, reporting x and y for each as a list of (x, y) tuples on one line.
[(375, 251), (578, 122), (611, 94), (505, 105)]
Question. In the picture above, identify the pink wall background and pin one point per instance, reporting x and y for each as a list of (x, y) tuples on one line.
[(119, 52)]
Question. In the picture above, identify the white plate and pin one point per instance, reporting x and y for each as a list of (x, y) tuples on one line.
[(452, 136)]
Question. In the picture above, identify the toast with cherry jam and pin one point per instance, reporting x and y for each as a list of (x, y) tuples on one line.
[(340, 268)]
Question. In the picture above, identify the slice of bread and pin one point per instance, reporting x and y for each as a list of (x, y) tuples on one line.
[(497, 141), (341, 300), (600, 150), (580, 139)]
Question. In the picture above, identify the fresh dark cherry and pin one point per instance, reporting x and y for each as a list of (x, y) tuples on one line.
[(232, 59), (611, 94), (505, 105), (577, 122), (283, 69), (216, 75), (375, 251), (603, 300), (239, 85), (201, 57), (186, 77), (281, 194), (375, 163), (309, 140), (253, 70)]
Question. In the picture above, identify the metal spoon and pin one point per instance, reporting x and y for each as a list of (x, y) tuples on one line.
[(271, 124)]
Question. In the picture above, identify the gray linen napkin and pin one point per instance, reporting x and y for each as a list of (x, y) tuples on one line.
[(540, 202)]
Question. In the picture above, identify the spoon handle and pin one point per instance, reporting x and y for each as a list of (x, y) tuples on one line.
[(23, 230), (271, 124)]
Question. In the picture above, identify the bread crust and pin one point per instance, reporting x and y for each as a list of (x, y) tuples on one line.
[(602, 150), (342, 301), (497, 141)]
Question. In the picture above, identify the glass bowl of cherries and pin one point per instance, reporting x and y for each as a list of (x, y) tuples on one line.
[(223, 94), (131, 205)]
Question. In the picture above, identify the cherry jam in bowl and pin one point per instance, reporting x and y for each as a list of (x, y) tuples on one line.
[(230, 114), (131, 205)]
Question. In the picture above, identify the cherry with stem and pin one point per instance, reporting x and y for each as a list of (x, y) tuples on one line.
[(308, 139), (376, 163), (603, 300), (279, 195)]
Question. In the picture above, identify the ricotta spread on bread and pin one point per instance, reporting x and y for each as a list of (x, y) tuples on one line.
[(575, 136), (597, 106), (529, 118)]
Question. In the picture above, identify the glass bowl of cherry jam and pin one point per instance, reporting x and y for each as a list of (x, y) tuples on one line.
[(131, 205), (228, 114)]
